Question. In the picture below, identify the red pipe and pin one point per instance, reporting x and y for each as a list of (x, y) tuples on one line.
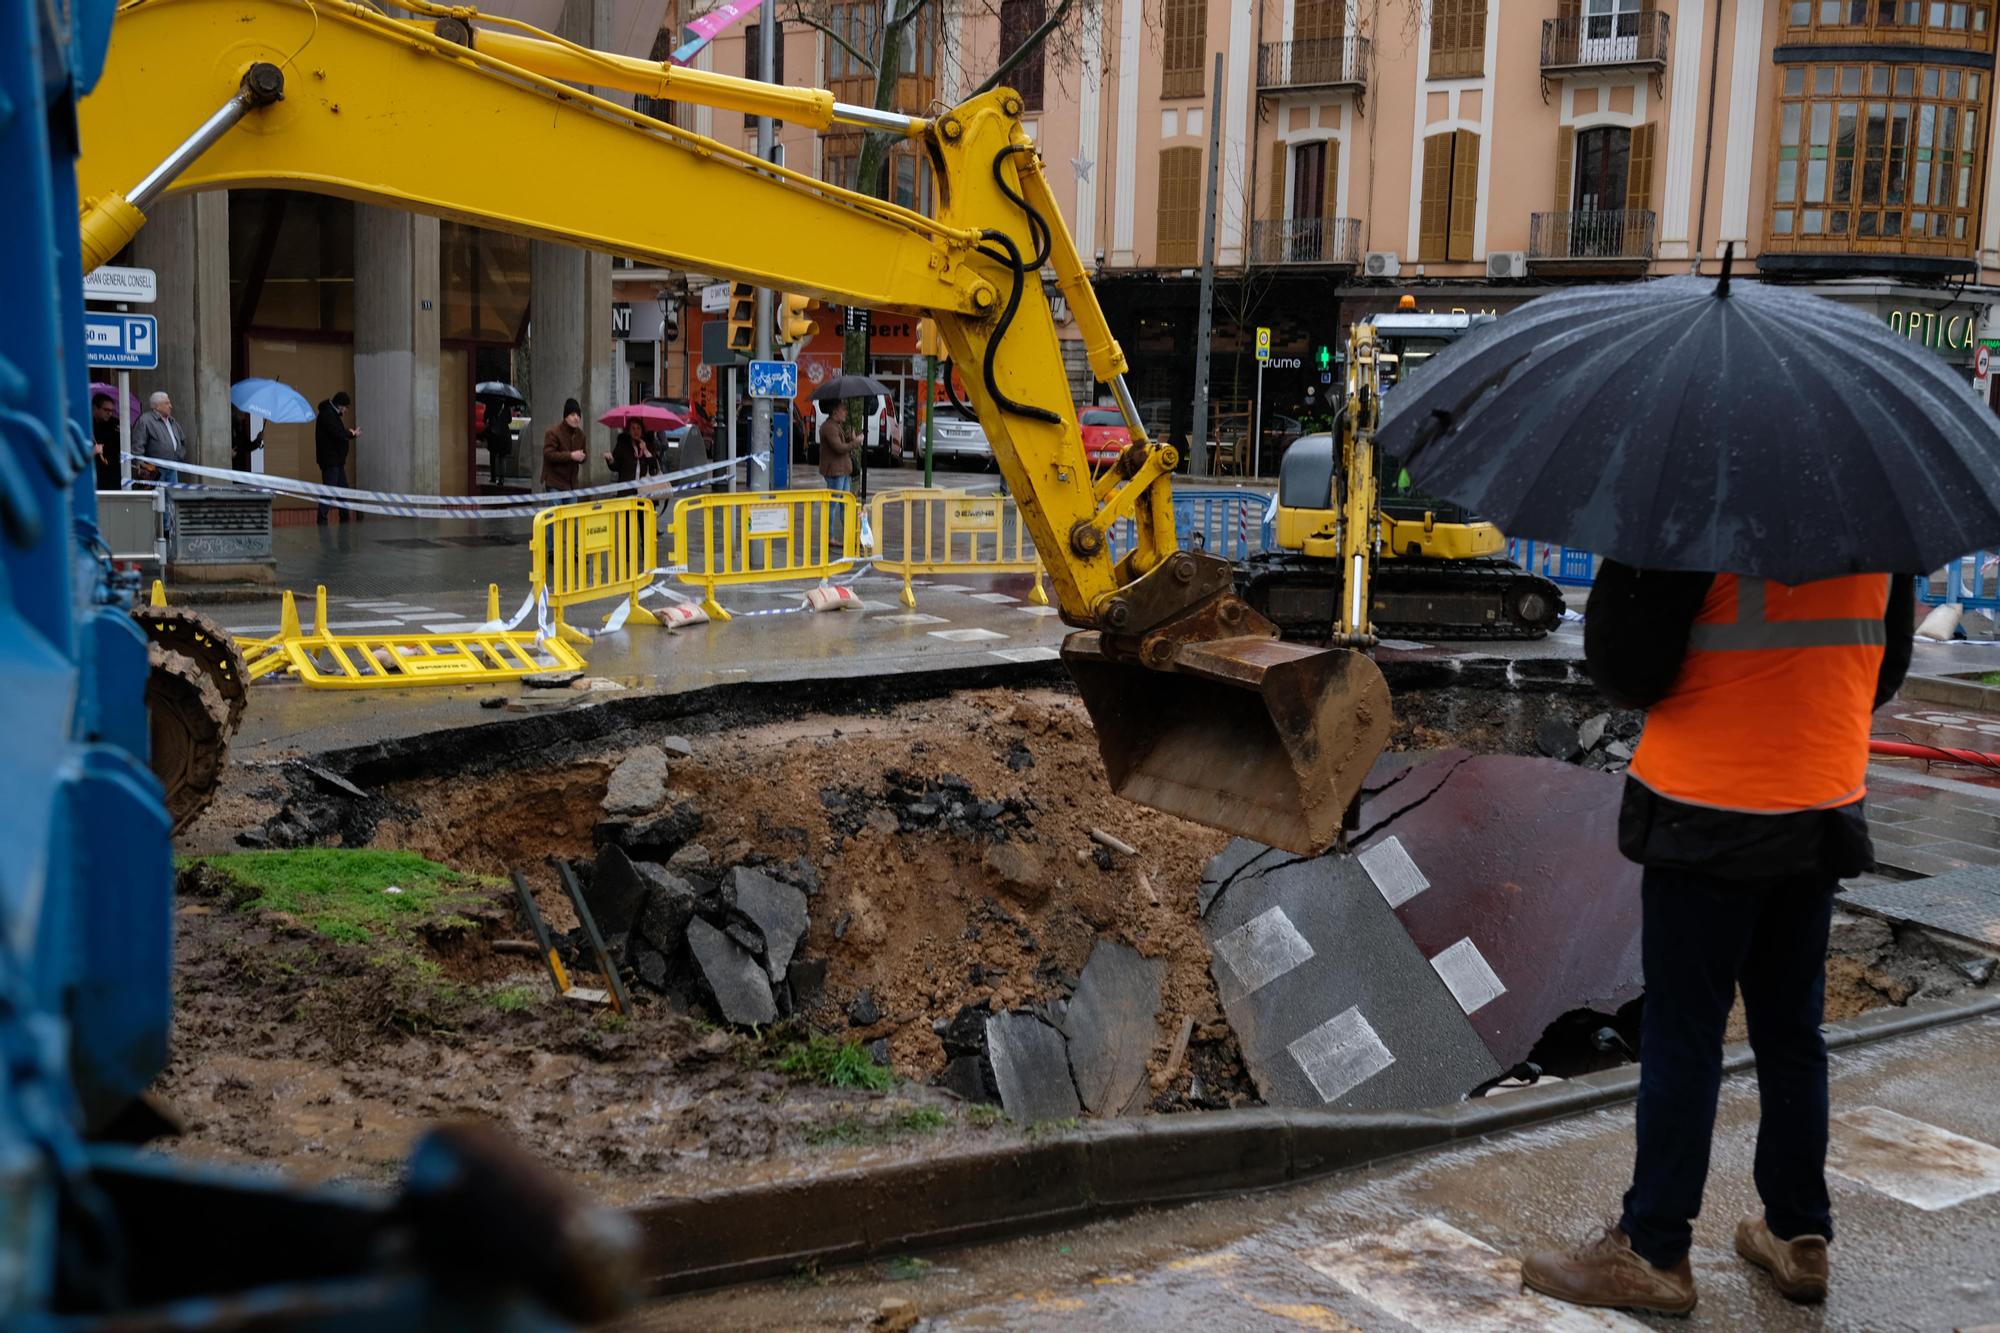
[(1936, 753)]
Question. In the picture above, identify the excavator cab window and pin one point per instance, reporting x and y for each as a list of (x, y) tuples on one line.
[(1401, 357), (1305, 477)]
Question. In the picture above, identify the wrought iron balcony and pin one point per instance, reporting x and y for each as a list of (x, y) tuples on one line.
[(1605, 41), (1599, 235), (1312, 62), (1332, 241)]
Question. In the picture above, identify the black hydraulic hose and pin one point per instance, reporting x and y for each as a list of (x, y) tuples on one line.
[(951, 392), (1038, 227), (1013, 261)]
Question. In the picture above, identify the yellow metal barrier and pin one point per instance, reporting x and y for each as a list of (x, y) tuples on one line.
[(942, 531), (587, 551), (762, 537), (396, 660)]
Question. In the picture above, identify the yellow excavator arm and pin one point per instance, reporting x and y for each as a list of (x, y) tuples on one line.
[(1200, 710)]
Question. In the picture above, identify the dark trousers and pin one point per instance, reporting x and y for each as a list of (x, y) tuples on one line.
[(1702, 937), (333, 476)]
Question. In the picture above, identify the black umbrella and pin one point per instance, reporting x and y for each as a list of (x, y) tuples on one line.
[(1689, 424), (849, 386), (498, 389)]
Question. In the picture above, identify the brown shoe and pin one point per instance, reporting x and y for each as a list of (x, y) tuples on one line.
[(1608, 1272), (1796, 1266)]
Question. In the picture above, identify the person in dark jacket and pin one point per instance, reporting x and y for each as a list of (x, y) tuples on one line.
[(332, 438), (242, 444), (499, 434), (104, 437), (1744, 803), (563, 450), (632, 452)]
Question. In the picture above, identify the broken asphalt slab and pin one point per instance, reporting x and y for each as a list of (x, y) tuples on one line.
[(777, 910), (1031, 1066), (741, 987), (864, 1209), (638, 784), (1331, 1002), (1112, 1026)]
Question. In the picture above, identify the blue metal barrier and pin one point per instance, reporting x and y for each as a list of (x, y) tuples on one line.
[(1558, 564), (1232, 522), (1966, 581)]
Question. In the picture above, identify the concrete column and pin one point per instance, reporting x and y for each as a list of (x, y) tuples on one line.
[(186, 240), (395, 350), (571, 349)]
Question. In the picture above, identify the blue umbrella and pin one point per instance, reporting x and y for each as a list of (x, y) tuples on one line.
[(271, 400)]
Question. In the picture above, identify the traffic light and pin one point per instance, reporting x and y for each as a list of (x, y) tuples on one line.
[(742, 318), (792, 324), (928, 343)]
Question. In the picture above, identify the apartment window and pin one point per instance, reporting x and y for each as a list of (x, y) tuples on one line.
[(753, 58), (1319, 20), (1877, 157), (1018, 21), (858, 26), (1450, 196), (1178, 241), (1944, 22), (1184, 47), (1458, 39)]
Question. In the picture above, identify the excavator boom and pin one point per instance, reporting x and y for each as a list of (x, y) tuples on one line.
[(1201, 711)]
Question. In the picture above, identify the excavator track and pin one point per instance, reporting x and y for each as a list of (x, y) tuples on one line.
[(189, 725), (197, 638), (1412, 598)]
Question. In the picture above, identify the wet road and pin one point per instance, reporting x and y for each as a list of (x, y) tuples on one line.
[(1430, 1242)]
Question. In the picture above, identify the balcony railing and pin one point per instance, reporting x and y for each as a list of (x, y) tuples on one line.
[(1306, 241), (1313, 62), (1592, 234), (1605, 41)]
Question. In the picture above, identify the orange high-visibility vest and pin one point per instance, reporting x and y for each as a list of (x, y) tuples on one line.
[(1771, 710)]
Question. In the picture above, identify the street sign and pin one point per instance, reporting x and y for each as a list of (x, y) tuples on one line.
[(110, 283), (774, 379), (858, 318), (715, 298), (121, 342), (715, 345), (1982, 361), (1263, 344)]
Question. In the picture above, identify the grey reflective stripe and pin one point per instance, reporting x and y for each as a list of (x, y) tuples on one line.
[(1752, 631)]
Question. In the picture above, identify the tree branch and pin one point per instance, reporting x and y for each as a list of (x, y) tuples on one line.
[(1013, 59), (902, 20), (802, 17)]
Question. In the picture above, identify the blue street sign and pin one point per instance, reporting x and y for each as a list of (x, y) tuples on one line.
[(781, 449), (121, 342), (774, 379)]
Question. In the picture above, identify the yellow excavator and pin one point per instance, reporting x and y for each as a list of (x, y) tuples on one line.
[(1438, 571), (1200, 708)]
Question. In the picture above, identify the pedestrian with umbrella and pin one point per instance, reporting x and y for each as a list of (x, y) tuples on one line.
[(1763, 471), (268, 400), (499, 399), (839, 438)]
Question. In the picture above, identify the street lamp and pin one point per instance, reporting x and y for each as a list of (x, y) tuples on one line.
[(670, 329)]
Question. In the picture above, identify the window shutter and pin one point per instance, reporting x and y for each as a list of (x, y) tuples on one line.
[(1569, 9), (1330, 206), (1279, 152), (1434, 216), (1565, 169), (1464, 194), (1639, 171), (1176, 239)]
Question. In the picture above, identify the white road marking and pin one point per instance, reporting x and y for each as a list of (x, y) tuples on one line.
[(1341, 1054), (410, 610), (1909, 1160), (1468, 976), (967, 635), (1396, 876), (1260, 951), (1043, 654), (373, 606), (945, 587), (1040, 610), (1431, 1275), (913, 618), (997, 598)]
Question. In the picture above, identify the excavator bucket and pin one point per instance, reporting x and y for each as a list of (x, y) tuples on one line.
[(1262, 738)]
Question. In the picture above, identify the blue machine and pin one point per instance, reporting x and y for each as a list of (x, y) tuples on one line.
[(480, 1238)]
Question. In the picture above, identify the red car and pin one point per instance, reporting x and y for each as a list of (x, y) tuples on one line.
[(1104, 434)]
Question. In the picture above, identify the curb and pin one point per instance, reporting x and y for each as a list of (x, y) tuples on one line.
[(1951, 692), (1109, 1169)]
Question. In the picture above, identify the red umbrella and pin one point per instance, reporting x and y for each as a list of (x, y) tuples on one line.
[(652, 415), (111, 391)]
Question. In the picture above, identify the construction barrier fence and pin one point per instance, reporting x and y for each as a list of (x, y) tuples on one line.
[(1558, 564), (1232, 522), (394, 659), (1972, 581), (939, 531), (762, 537), (602, 548)]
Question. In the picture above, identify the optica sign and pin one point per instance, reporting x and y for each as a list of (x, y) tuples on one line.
[(1943, 333)]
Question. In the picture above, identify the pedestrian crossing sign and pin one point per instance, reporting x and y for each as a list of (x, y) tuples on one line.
[(1263, 344)]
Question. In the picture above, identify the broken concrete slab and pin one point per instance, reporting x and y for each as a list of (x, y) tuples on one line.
[(1031, 1067), (677, 747), (776, 909), (615, 896), (1331, 1002), (658, 839), (1592, 730), (1112, 1026), (638, 784), (1529, 910), (670, 905), (741, 987), (1963, 904)]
